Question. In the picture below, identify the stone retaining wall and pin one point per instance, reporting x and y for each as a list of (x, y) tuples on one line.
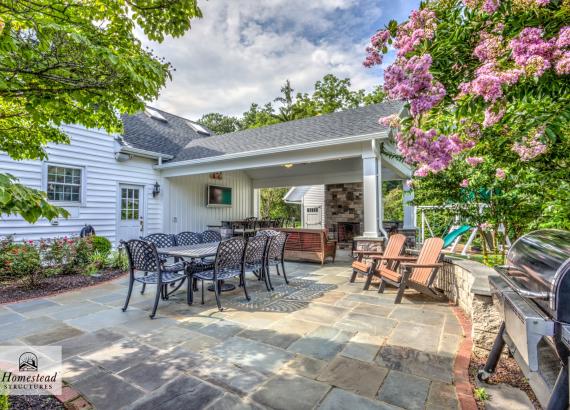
[(466, 283)]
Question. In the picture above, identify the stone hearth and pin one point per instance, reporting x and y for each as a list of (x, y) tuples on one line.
[(344, 207)]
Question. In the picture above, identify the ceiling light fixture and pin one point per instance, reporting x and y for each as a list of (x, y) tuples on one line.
[(288, 165)]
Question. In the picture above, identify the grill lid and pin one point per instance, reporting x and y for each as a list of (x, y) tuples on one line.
[(540, 256)]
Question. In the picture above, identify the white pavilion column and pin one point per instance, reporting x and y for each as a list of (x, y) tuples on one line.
[(256, 202), (409, 210), (372, 190)]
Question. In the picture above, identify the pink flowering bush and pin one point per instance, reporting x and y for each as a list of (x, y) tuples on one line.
[(487, 87), (530, 147), (510, 80)]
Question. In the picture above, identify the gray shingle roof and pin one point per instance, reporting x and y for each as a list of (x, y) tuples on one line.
[(143, 132), (177, 138), (358, 121)]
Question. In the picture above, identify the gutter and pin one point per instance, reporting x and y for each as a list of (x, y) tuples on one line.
[(146, 154), (274, 150)]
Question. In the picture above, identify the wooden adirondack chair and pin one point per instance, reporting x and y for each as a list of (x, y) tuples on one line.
[(394, 248), (416, 272)]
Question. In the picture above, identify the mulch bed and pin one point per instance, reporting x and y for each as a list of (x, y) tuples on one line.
[(13, 292), (34, 402), (507, 372)]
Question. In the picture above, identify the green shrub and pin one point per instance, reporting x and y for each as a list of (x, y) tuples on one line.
[(58, 255), (119, 260), (23, 261), (83, 252), (101, 245), (97, 262)]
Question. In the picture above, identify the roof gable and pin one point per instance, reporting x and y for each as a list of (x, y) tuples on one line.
[(168, 135), (355, 122)]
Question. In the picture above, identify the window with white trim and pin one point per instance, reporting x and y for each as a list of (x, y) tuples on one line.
[(64, 184)]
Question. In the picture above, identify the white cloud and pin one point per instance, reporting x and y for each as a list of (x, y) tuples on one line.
[(243, 50)]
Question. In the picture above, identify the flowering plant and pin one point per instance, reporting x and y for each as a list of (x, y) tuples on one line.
[(487, 89), (476, 69)]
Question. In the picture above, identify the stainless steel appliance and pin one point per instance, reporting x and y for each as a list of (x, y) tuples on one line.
[(532, 294)]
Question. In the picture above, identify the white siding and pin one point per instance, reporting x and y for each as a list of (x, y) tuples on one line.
[(188, 201), (315, 196), (94, 151)]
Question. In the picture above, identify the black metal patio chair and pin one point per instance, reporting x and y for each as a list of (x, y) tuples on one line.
[(255, 257), (161, 240), (211, 236), (143, 258), (227, 264), (188, 238), (275, 253)]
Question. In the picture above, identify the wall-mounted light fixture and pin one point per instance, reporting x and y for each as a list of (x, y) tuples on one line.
[(155, 190)]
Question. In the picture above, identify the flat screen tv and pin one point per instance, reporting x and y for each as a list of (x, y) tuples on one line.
[(219, 196)]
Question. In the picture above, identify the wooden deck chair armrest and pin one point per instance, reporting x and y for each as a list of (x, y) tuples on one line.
[(377, 256), (377, 253), (400, 258), (421, 265)]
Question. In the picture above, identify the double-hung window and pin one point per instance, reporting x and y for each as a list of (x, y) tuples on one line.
[(64, 184)]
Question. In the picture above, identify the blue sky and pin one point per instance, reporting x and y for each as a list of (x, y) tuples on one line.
[(242, 51)]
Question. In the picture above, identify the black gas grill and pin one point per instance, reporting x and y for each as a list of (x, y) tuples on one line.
[(532, 294)]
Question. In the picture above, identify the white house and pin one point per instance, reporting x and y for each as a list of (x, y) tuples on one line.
[(112, 182), (311, 199)]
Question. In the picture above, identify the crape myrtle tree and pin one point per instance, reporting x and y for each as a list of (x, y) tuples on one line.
[(75, 62), (487, 88)]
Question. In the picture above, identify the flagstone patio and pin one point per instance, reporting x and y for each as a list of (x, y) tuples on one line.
[(318, 342)]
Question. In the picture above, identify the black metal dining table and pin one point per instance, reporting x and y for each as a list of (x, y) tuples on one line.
[(198, 251)]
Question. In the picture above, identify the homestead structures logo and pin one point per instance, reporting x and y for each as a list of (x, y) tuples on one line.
[(30, 370), (28, 362)]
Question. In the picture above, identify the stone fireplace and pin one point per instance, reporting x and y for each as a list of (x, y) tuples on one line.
[(344, 215)]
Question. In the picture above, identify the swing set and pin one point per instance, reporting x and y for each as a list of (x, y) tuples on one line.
[(455, 230)]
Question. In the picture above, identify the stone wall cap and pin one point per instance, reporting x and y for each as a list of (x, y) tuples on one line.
[(478, 271)]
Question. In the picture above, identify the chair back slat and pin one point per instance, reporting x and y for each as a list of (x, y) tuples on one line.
[(429, 255), (142, 256), (394, 248), (210, 236), (161, 240), (229, 256), (188, 238)]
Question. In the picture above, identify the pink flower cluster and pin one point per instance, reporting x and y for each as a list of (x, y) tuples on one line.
[(563, 44), (489, 47), (531, 146), (500, 173), (420, 26), (464, 183), (474, 161), (430, 151), (410, 79), (532, 52), (493, 115), (488, 82), (374, 50), (488, 6), (392, 121)]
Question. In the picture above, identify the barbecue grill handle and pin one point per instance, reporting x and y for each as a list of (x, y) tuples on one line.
[(503, 269)]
